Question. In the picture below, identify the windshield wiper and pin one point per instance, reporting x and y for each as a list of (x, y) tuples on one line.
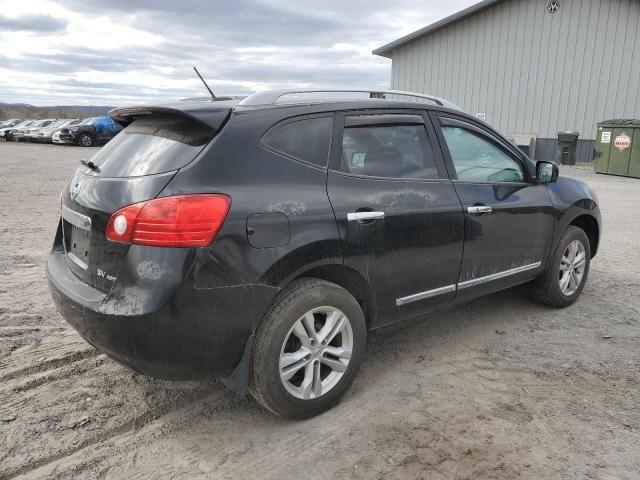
[(90, 165)]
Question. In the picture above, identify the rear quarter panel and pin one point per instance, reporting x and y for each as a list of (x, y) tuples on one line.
[(259, 181)]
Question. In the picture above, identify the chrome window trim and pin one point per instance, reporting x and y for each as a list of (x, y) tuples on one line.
[(469, 182), (392, 179)]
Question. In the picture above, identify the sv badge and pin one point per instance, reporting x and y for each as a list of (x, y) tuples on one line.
[(103, 274)]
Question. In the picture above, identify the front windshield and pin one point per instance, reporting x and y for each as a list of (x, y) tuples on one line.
[(87, 121), (63, 123), (59, 123)]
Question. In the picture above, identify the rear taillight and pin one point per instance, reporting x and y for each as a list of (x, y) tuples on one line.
[(179, 221)]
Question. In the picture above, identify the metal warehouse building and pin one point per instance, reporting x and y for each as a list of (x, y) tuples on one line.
[(530, 66)]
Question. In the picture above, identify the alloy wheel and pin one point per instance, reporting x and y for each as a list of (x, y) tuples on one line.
[(316, 353), (572, 267)]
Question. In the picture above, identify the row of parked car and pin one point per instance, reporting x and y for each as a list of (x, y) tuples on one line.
[(74, 131)]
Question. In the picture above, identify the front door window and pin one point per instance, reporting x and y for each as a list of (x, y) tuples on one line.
[(476, 159)]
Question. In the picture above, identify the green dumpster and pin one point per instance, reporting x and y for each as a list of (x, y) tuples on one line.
[(618, 148)]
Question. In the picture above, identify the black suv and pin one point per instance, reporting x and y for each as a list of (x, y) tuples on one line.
[(89, 132), (259, 242)]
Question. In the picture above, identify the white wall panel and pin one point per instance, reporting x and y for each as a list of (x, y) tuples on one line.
[(531, 71)]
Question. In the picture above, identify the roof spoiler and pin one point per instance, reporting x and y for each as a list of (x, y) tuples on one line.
[(213, 117)]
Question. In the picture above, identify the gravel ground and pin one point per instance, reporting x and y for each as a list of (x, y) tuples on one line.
[(501, 388)]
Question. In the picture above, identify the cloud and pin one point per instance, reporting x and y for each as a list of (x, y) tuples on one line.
[(124, 51), (32, 23), (69, 63)]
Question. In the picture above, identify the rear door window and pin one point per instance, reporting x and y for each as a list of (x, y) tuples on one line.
[(306, 139), (391, 151), (152, 145)]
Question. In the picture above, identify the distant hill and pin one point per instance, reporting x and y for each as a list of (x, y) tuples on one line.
[(24, 110)]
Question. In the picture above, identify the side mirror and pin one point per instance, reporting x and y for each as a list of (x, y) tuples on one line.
[(547, 172)]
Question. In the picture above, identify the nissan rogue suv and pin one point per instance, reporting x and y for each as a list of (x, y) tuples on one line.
[(259, 242)]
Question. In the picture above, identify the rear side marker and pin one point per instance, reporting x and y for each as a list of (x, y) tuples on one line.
[(178, 221)]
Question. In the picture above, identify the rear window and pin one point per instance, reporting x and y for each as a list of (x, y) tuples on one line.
[(306, 139), (151, 145)]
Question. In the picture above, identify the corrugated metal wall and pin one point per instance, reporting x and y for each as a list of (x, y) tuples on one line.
[(531, 71), (547, 149)]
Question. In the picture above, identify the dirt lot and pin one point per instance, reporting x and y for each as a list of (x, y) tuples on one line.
[(501, 388)]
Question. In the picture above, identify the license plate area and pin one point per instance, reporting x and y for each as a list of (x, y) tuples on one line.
[(76, 230)]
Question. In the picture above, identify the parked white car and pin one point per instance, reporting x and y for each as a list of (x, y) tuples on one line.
[(23, 134), (12, 122), (6, 133), (45, 135)]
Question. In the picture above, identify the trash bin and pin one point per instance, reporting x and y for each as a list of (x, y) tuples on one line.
[(617, 149), (567, 143)]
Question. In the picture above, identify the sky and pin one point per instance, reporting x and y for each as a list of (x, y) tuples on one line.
[(117, 52)]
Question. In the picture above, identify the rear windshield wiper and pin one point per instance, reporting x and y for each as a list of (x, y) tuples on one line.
[(90, 165)]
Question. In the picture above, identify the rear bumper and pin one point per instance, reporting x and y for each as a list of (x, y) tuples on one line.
[(195, 334)]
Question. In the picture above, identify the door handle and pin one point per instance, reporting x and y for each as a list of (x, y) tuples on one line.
[(360, 216), (479, 209)]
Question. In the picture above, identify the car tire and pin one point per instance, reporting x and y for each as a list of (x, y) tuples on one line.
[(315, 386), (85, 140), (555, 286)]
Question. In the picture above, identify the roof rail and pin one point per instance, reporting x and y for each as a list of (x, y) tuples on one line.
[(273, 97)]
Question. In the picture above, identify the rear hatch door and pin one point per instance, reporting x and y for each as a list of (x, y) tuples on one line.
[(133, 167)]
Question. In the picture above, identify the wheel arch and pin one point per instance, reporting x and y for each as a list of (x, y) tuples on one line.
[(350, 280), (589, 225), (337, 273)]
